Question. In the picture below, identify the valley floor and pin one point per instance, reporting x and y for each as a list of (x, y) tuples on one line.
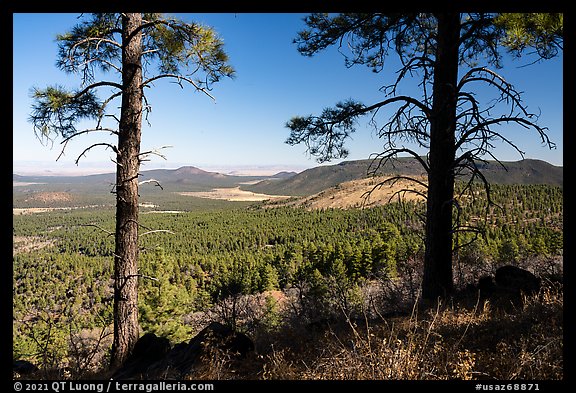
[(234, 194)]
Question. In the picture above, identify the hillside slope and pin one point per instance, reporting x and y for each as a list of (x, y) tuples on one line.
[(362, 193), (315, 180)]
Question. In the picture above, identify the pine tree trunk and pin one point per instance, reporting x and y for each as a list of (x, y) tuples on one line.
[(126, 328), (437, 279)]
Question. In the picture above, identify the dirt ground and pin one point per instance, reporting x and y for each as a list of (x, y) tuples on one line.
[(32, 210), (233, 194)]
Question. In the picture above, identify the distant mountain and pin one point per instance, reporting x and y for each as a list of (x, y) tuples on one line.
[(314, 180), (308, 182), (283, 175), (189, 175), (528, 171), (187, 178), (191, 171)]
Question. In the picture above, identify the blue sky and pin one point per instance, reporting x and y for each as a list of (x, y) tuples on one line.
[(244, 129)]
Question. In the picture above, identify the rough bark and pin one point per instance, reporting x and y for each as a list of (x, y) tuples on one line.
[(126, 328), (437, 279)]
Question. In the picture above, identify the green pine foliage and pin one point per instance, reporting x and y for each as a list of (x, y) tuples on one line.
[(213, 254), (541, 31)]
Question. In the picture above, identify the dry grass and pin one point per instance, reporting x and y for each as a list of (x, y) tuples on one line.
[(464, 339), (364, 193), (445, 342)]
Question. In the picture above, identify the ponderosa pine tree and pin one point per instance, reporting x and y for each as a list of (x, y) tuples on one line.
[(135, 50), (448, 119)]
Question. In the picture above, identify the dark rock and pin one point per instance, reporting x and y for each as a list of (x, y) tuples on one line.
[(517, 279), (23, 367), (184, 356), (181, 359), (486, 286), (148, 349), (153, 358), (224, 338)]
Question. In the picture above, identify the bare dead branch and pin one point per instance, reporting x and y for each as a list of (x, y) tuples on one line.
[(469, 162), (110, 130), (156, 152), (90, 39), (114, 117), (65, 141), (147, 52), (179, 79), (149, 230), (128, 277), (393, 180), (484, 126), (142, 276), (390, 155), (99, 227), (408, 190), (156, 231), (156, 183), (103, 107), (109, 64), (407, 99), (108, 145), (97, 84), (415, 63), (397, 178), (91, 53)]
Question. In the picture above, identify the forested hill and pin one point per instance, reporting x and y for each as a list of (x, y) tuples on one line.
[(316, 179), (524, 172)]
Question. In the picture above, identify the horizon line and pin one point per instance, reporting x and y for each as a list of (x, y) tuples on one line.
[(40, 168)]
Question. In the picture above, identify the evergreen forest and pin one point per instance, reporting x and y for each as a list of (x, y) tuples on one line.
[(204, 262)]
